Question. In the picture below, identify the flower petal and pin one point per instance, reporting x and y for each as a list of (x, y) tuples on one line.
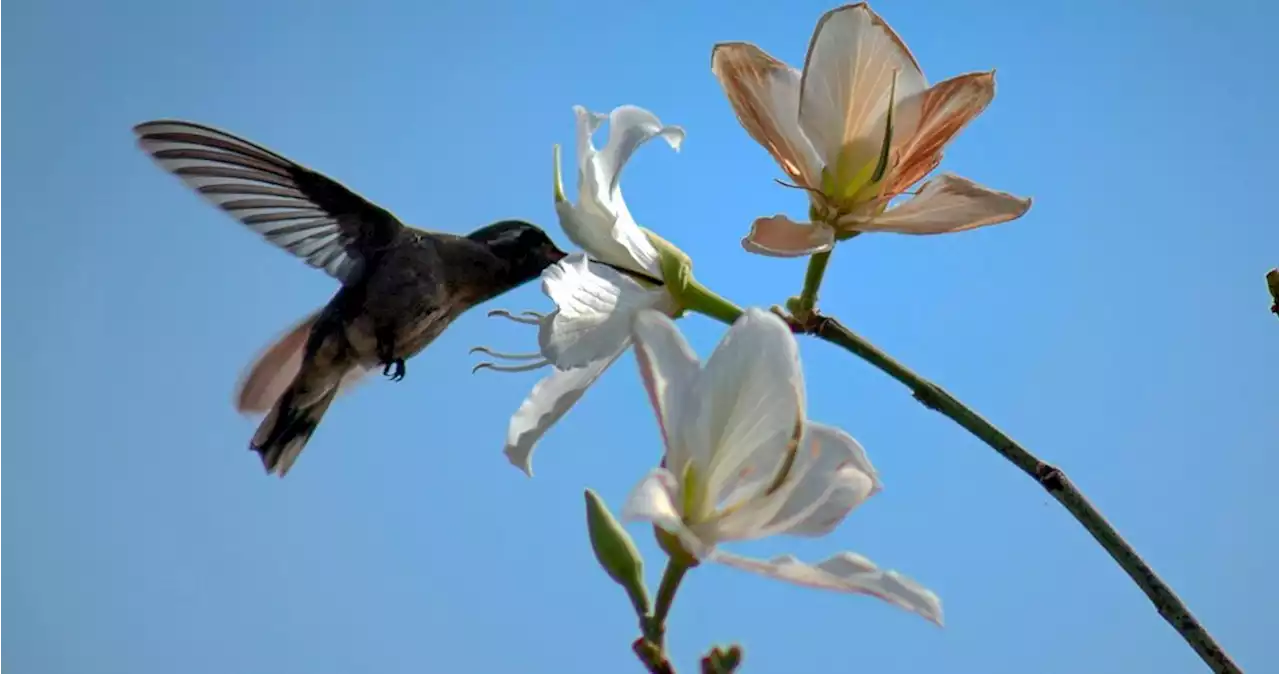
[(595, 306), (942, 110), (668, 367), (549, 400), (848, 74), (945, 204), (781, 236), (845, 572), (601, 224), (830, 477), (750, 397), (654, 500), (765, 95)]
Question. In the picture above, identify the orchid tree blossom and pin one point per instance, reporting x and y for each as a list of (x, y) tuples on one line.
[(598, 292), (855, 129), (743, 462)]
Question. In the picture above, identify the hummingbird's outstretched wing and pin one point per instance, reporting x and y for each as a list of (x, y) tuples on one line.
[(293, 207)]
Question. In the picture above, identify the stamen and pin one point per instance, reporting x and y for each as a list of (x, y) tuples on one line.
[(797, 187), (509, 368), (506, 356), (526, 317)]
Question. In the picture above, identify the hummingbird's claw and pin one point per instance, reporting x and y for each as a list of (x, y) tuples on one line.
[(398, 365)]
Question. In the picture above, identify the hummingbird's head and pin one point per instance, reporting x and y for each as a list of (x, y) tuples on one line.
[(525, 248)]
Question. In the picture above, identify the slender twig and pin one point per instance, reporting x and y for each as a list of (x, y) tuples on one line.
[(671, 577), (812, 281), (651, 648), (1051, 478)]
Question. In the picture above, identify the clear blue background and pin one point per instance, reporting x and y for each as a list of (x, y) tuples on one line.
[(1120, 330)]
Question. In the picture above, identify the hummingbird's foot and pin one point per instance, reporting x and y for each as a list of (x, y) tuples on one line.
[(398, 366)]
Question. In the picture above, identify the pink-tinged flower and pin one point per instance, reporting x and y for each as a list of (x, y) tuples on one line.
[(856, 128), (742, 461)]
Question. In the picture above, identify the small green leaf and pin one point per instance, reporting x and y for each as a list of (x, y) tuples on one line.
[(616, 552)]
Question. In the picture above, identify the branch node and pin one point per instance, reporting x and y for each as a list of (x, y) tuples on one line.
[(1051, 478)]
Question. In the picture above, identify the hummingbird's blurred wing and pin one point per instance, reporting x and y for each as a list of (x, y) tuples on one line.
[(293, 207), (275, 368)]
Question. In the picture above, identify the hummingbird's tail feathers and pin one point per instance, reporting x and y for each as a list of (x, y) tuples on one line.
[(284, 432), (270, 375)]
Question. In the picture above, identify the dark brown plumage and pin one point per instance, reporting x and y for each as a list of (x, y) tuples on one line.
[(401, 286)]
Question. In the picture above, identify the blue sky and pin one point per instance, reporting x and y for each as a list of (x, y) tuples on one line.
[(1120, 330)]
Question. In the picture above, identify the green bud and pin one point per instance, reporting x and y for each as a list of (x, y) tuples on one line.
[(722, 661), (793, 305), (616, 552)]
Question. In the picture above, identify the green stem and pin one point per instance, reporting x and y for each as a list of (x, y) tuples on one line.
[(656, 627), (812, 281), (703, 300), (1051, 478), (651, 647)]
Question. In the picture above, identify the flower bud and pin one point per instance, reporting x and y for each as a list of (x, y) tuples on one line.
[(616, 553)]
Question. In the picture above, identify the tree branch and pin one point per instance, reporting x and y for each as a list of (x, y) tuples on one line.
[(1049, 477)]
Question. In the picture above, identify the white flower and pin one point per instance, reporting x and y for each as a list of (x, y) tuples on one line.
[(742, 461), (858, 127), (597, 293)]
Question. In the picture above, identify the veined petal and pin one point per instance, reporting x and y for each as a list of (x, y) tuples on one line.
[(629, 128), (780, 236), (832, 476), (942, 110), (593, 232), (750, 398), (595, 306), (655, 500), (549, 400), (669, 367), (845, 572), (605, 225), (848, 74), (765, 95), (945, 204)]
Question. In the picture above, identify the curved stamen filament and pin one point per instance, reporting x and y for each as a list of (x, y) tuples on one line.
[(525, 317), (506, 356), (509, 368)]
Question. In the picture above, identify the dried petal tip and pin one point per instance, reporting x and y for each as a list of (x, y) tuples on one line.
[(1272, 282)]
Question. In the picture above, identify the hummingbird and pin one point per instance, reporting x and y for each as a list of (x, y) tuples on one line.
[(401, 286)]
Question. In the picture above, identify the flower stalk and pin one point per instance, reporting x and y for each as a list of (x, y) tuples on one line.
[(688, 292), (807, 303), (651, 648), (1051, 478)]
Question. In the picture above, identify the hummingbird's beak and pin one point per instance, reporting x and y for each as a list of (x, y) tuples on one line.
[(632, 273), (554, 254)]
